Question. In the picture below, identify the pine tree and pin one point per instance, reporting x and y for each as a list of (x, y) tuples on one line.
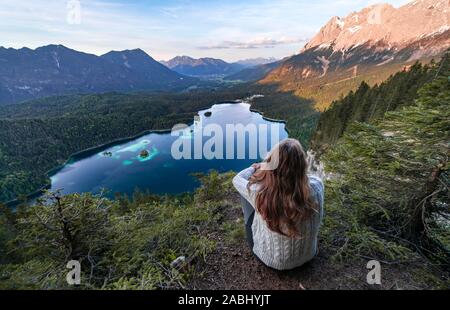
[(389, 185)]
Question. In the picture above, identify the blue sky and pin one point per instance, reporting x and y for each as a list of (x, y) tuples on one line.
[(230, 29)]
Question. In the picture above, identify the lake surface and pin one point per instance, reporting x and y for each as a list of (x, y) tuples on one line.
[(147, 162)]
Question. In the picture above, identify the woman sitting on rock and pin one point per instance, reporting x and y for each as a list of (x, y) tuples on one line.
[(283, 206)]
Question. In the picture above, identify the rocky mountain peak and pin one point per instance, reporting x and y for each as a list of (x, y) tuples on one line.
[(382, 22)]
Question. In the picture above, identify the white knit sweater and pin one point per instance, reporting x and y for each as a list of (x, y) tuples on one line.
[(275, 250)]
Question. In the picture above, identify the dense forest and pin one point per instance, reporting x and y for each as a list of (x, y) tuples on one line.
[(39, 135), (369, 103), (388, 186)]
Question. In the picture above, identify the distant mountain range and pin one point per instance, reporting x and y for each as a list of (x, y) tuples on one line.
[(254, 73), (211, 67), (252, 62), (55, 69), (202, 67), (368, 45)]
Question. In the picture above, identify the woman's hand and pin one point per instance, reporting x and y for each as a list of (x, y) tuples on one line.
[(256, 166), (315, 167)]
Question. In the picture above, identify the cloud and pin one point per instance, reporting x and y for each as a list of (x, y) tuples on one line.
[(254, 44), (230, 30)]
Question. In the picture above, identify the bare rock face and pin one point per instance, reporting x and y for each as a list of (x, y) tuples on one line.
[(396, 28), (376, 37)]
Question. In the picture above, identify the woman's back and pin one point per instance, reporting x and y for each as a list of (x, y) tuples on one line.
[(272, 248)]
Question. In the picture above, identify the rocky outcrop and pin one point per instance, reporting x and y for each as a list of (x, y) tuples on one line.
[(396, 28)]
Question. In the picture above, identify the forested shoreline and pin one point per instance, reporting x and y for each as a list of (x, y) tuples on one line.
[(40, 135)]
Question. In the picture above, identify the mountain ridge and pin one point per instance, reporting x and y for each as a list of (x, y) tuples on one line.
[(206, 66), (397, 27), (254, 73), (55, 69), (253, 62)]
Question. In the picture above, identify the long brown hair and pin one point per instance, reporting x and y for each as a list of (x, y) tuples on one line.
[(283, 198)]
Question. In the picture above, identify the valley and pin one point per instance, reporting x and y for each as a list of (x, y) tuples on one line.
[(54, 128)]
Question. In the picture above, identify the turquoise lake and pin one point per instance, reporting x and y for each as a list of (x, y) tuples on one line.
[(147, 162)]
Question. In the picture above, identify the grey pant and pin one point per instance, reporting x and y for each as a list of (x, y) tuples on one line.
[(249, 214)]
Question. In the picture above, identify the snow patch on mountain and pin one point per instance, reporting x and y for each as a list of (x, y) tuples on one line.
[(56, 59), (354, 29), (389, 59), (325, 64), (340, 23), (323, 46), (125, 62)]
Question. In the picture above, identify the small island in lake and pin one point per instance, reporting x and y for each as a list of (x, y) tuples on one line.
[(107, 154), (144, 154), (208, 114)]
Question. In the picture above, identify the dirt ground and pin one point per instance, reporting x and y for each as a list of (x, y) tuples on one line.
[(233, 266)]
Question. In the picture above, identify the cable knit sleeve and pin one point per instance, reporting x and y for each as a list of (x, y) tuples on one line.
[(240, 182), (318, 188)]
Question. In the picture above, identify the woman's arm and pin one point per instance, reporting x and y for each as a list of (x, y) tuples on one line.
[(240, 182), (319, 191)]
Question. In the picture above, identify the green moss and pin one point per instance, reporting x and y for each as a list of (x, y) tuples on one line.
[(234, 232)]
